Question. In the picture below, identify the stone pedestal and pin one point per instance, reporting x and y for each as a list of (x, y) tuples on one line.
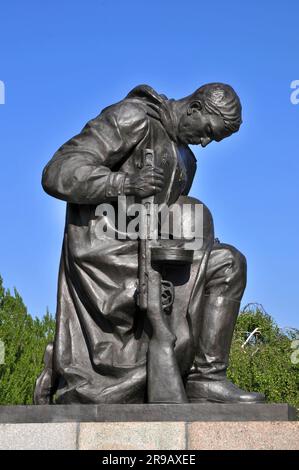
[(156, 427)]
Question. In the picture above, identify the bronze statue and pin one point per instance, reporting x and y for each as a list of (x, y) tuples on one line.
[(147, 319)]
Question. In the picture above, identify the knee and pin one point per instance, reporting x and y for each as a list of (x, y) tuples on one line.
[(233, 267), (235, 264), (236, 268)]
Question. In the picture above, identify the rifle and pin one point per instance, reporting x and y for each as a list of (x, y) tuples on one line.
[(155, 297)]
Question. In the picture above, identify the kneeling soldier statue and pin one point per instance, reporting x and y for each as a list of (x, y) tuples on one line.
[(146, 319)]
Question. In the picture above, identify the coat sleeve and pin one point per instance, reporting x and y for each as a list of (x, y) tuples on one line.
[(82, 170)]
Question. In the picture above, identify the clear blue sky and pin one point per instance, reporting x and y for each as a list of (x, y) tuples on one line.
[(63, 61)]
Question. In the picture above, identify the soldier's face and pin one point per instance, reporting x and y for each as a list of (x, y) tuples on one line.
[(197, 127)]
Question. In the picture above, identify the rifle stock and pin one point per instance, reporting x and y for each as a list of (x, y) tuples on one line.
[(165, 383)]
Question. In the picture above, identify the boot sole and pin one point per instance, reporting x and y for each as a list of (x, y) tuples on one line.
[(206, 400)]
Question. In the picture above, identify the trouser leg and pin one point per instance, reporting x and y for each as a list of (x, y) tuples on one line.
[(225, 284)]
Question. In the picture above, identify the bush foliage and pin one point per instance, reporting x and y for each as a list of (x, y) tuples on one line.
[(263, 364), (24, 340)]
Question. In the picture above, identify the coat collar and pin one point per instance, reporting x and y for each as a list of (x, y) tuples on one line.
[(158, 107)]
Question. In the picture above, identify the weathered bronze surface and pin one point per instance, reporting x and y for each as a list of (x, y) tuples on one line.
[(146, 320)]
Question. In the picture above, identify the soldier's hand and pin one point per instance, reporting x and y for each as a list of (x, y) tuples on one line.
[(147, 182)]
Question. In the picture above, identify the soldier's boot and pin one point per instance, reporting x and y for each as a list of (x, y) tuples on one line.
[(207, 379)]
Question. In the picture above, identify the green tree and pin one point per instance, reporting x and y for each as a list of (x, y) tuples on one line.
[(264, 363), (24, 339)]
